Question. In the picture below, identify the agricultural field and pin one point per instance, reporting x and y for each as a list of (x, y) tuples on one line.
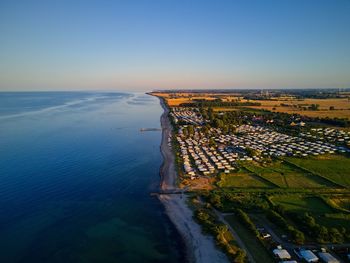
[(301, 204), (241, 179), (287, 104), (286, 176), (175, 99), (334, 167), (341, 107)]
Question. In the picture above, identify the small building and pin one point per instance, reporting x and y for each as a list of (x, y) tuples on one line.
[(281, 253)]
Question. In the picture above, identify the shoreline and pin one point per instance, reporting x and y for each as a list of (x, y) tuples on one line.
[(199, 247)]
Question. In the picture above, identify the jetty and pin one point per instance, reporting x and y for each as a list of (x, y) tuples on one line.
[(169, 192), (149, 129)]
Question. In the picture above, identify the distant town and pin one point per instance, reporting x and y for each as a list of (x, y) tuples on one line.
[(267, 172)]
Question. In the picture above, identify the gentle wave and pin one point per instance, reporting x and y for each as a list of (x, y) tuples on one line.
[(56, 108)]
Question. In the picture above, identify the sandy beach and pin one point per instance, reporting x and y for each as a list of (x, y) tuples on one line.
[(200, 248)]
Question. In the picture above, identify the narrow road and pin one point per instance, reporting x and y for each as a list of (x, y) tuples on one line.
[(234, 233)]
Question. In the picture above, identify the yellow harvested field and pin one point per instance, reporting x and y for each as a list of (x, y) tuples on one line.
[(290, 104), (340, 104), (341, 107), (175, 99)]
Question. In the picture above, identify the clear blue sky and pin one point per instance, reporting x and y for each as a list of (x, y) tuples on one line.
[(149, 44)]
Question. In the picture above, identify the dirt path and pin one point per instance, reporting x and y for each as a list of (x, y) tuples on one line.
[(236, 236)]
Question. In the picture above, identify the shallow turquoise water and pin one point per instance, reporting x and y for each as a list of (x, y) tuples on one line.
[(75, 177)]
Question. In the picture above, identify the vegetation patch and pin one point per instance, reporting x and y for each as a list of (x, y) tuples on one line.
[(229, 201), (333, 167), (253, 244), (241, 179), (341, 203), (300, 204), (285, 175), (338, 220), (222, 235)]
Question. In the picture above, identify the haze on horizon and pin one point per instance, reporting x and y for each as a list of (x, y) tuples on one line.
[(163, 44)]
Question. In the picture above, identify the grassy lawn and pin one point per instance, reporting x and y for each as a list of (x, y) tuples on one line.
[(241, 179), (333, 167), (284, 175), (335, 220), (300, 204), (256, 249)]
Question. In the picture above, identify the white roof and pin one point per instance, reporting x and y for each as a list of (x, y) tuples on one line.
[(281, 253), (308, 256), (328, 258)]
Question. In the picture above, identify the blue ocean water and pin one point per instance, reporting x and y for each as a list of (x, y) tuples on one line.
[(75, 177)]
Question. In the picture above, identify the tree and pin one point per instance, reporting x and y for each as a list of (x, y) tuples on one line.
[(215, 200), (251, 152), (185, 131), (212, 142), (335, 236), (217, 123), (210, 113), (240, 256), (190, 130), (314, 107), (296, 235), (225, 129)]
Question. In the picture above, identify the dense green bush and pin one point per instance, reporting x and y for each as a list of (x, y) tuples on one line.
[(321, 233), (296, 235), (223, 236)]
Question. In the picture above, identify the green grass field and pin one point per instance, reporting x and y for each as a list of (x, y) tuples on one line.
[(335, 220), (286, 176), (241, 179), (301, 204), (257, 250), (334, 167)]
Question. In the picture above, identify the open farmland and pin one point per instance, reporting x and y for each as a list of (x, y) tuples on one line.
[(288, 104), (174, 100), (334, 167), (287, 176), (291, 106)]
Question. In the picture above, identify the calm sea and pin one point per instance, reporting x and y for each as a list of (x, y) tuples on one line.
[(75, 177)]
